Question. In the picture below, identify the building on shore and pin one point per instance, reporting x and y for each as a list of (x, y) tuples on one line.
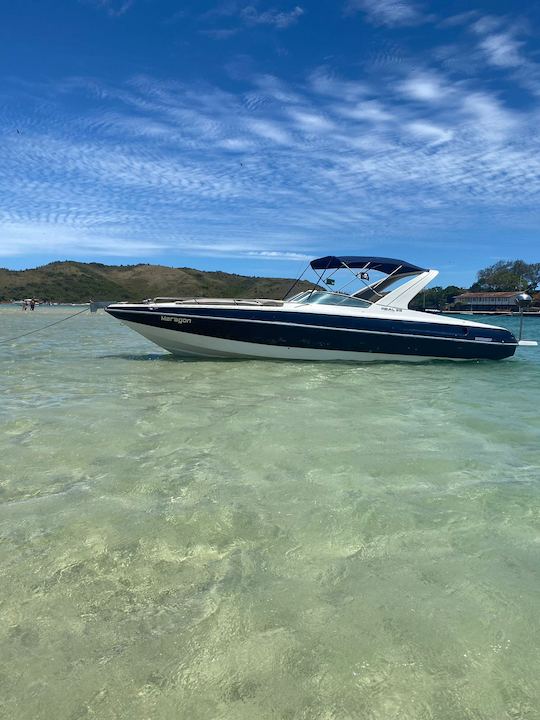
[(486, 301)]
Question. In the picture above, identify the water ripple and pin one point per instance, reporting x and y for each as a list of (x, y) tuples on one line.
[(242, 540)]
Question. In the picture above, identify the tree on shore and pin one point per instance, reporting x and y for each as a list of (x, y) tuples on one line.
[(508, 275), (436, 297)]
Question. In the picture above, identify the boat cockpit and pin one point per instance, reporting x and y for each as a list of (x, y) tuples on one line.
[(320, 297)]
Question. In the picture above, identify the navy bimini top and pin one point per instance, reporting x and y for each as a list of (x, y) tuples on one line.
[(381, 264)]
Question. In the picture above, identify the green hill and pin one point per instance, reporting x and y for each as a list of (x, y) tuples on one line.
[(70, 282)]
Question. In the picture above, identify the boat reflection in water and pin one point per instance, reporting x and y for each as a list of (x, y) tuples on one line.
[(372, 322)]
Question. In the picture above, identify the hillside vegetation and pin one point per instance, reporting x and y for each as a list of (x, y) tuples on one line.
[(80, 282), (72, 282)]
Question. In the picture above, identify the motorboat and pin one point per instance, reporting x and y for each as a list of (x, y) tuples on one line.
[(370, 322)]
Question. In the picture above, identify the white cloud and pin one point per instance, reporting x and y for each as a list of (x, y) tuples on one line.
[(489, 118), (368, 111), (278, 18), (423, 86), (269, 131), (275, 89), (387, 12), (502, 50), (487, 24), (158, 170), (68, 241), (429, 132), (324, 82), (311, 122), (237, 144), (276, 255), (238, 15), (499, 45)]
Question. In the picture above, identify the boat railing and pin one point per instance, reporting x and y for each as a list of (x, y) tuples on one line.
[(219, 301)]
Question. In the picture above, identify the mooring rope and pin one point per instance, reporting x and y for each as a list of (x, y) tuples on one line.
[(31, 332)]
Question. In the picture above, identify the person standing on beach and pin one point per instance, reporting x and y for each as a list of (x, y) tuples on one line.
[(32, 304)]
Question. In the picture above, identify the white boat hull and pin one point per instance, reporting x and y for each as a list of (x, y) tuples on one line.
[(190, 345)]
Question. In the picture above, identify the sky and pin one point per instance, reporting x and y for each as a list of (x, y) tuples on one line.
[(253, 135)]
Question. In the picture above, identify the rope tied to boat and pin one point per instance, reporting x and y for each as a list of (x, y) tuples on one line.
[(44, 327)]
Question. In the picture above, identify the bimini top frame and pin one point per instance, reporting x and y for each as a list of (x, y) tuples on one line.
[(377, 292)]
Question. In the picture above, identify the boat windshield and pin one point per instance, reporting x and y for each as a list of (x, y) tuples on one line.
[(328, 298)]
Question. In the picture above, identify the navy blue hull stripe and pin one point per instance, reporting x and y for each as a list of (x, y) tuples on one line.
[(319, 337)]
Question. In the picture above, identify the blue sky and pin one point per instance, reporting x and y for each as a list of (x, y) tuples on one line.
[(250, 135)]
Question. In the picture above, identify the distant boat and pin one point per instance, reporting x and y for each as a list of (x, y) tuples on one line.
[(372, 323)]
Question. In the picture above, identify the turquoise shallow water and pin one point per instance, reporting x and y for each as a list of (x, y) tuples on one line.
[(260, 540)]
